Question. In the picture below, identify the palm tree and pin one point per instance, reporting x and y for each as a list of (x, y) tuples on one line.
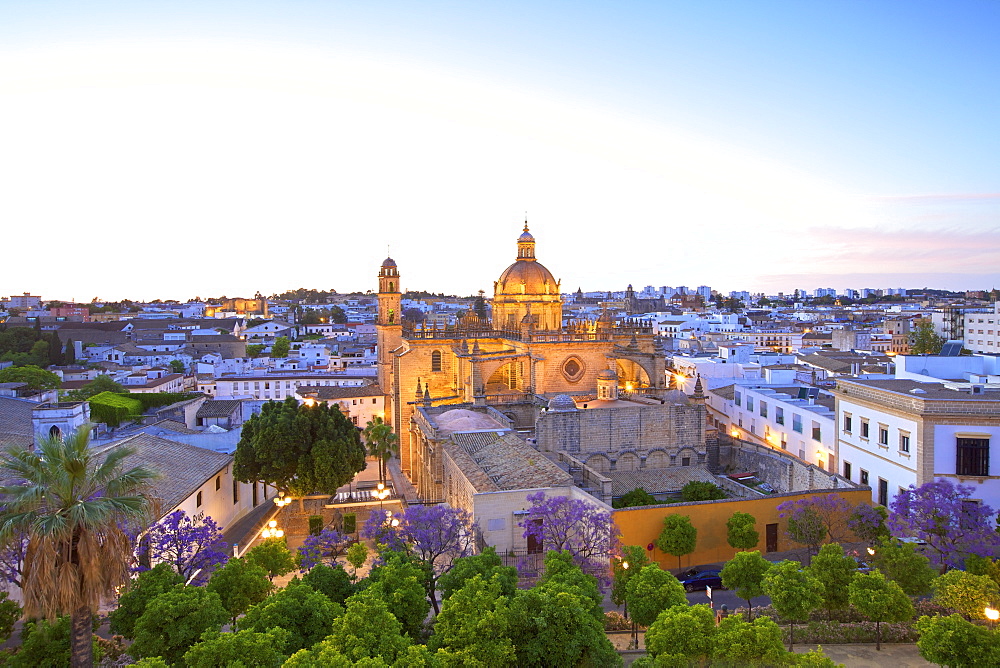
[(381, 443), (73, 510)]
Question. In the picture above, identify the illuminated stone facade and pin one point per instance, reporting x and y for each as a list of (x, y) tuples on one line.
[(515, 362)]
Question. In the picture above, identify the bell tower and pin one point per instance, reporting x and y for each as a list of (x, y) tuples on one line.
[(389, 334)]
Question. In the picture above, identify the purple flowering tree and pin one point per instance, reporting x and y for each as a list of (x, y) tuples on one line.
[(12, 560), (868, 522), (383, 529), (437, 535), (325, 546), (583, 529), (944, 516), (816, 519), (193, 546)]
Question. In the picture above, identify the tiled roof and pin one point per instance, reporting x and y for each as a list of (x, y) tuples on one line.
[(324, 393), (493, 461), (728, 392), (656, 481), (183, 468), (218, 408), (15, 422)]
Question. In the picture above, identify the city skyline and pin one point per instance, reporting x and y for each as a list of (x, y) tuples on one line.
[(220, 148)]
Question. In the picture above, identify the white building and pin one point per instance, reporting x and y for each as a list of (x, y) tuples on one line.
[(982, 331)]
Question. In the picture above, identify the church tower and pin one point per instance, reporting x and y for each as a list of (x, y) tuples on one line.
[(527, 294), (390, 334)]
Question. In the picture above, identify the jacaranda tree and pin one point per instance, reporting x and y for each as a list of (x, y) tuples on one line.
[(437, 536), (192, 546), (948, 519), (584, 530)]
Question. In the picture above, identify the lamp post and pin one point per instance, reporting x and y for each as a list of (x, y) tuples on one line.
[(993, 615), (381, 493), (272, 530)]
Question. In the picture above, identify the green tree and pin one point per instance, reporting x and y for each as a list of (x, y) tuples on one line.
[(953, 641), (280, 347), (331, 581), (102, 383), (381, 443), (299, 449), (366, 629), (633, 559), (357, 555), (245, 649), (305, 613), (176, 366), (240, 584), (40, 353), (756, 643), (254, 350), (651, 591), (71, 504), (966, 593), (45, 643), (273, 556), (701, 490), (744, 574), (741, 533), (794, 593), (552, 625), (904, 565), (682, 635), (678, 537), (10, 613), (35, 377), (486, 564), (175, 620), (835, 570), (924, 340), (140, 592), (879, 600), (637, 497), (473, 628), (984, 566), (563, 574), (69, 352), (401, 585)]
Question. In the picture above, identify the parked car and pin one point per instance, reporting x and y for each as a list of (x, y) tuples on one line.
[(698, 581)]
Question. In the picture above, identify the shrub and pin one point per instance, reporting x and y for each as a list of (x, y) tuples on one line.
[(698, 490), (315, 524), (350, 523)]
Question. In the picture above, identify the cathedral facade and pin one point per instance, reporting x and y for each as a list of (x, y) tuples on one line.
[(515, 362)]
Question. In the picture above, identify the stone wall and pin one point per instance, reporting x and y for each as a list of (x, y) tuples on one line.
[(781, 470)]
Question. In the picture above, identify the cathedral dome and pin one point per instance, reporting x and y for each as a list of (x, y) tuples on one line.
[(561, 403), (607, 374), (533, 276)]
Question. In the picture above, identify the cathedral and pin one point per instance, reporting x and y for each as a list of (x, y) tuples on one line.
[(593, 389)]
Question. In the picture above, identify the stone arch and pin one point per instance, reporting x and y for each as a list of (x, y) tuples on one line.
[(55, 432), (627, 461), (632, 374), (508, 377), (657, 459), (599, 463)]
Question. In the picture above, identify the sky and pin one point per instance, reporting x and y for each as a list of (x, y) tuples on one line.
[(178, 149)]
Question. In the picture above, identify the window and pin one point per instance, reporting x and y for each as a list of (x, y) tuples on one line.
[(796, 423), (847, 423), (864, 477), (847, 470), (685, 461), (763, 409), (750, 404), (739, 399), (436, 360), (779, 415), (197, 500), (864, 428), (218, 483), (904, 442), (883, 435), (973, 456), (817, 432), (883, 492), (236, 492)]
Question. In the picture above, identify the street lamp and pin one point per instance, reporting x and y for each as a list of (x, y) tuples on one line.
[(871, 551), (381, 493), (993, 615), (281, 500), (272, 530)]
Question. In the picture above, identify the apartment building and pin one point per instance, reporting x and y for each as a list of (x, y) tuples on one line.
[(982, 331), (893, 433)]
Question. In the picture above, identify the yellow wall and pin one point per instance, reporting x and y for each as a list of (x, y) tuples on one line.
[(641, 526)]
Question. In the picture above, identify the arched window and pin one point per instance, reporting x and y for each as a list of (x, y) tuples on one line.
[(392, 286), (436, 360), (55, 432)]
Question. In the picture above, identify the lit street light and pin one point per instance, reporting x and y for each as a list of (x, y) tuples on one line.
[(993, 615), (272, 530)]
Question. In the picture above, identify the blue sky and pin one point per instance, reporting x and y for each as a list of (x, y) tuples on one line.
[(261, 146)]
